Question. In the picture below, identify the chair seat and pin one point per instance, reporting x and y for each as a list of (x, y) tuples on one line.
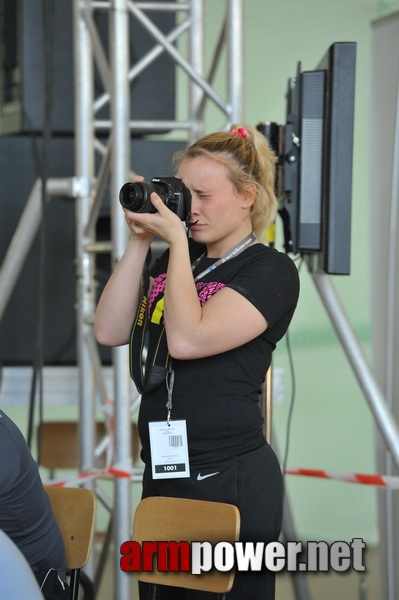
[(182, 519)]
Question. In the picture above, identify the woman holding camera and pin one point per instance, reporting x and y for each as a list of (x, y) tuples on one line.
[(219, 301)]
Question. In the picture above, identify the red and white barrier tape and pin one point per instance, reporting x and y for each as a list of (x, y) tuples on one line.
[(378, 480), (125, 471), (117, 470)]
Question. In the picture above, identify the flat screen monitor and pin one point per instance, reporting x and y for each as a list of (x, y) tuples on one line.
[(315, 148)]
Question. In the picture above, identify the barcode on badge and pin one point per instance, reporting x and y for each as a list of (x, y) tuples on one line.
[(175, 441)]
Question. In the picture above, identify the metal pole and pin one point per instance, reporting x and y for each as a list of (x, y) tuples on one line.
[(25, 234), (197, 62), (120, 107), (299, 580), (235, 60), (176, 56), (358, 361), (288, 531), (85, 299), (387, 525), (115, 78)]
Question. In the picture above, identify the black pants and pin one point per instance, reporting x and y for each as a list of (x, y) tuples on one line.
[(52, 586), (252, 482)]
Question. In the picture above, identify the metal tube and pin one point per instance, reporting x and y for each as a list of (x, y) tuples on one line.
[(235, 60), (170, 6), (299, 580), (196, 50), (84, 169), (184, 64), (144, 61), (213, 68), (390, 355), (25, 234), (120, 107), (99, 54), (84, 166), (358, 361), (100, 188), (150, 57), (116, 165), (289, 533), (146, 125)]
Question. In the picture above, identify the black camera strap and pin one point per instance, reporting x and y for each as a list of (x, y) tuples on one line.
[(150, 373), (147, 372)]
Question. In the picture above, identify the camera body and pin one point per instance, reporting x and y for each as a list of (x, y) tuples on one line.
[(171, 190)]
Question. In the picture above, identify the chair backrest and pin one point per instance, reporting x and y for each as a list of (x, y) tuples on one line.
[(60, 444), (75, 512), (182, 519)]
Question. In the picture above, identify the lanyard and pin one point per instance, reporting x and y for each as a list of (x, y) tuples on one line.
[(235, 251), (170, 381)]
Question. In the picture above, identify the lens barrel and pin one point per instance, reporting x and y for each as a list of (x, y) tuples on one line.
[(171, 190), (136, 196)]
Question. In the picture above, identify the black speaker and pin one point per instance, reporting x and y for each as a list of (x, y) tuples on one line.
[(56, 247), (19, 325), (37, 36)]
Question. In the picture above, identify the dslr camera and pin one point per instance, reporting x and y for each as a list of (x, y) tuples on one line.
[(171, 190)]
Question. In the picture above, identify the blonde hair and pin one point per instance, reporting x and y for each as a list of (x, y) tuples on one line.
[(249, 160)]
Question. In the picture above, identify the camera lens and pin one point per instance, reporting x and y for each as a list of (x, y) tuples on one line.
[(136, 196)]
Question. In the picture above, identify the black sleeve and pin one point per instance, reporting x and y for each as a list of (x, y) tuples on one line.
[(271, 283)]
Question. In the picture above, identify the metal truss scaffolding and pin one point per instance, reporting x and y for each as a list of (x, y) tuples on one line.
[(100, 166)]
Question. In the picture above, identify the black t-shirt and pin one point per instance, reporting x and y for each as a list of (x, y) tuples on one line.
[(218, 395), (25, 510)]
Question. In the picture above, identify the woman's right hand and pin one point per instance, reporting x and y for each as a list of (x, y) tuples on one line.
[(137, 231), (117, 306)]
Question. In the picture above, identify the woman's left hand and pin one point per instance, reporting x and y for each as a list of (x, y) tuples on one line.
[(164, 223)]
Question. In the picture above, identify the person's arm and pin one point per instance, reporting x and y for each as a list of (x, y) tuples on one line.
[(119, 300), (117, 306), (226, 321)]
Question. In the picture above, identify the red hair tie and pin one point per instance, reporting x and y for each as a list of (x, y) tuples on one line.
[(241, 131)]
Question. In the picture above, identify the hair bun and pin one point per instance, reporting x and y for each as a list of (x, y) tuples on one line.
[(241, 131)]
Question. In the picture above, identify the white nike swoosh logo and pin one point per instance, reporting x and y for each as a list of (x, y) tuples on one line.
[(201, 477)]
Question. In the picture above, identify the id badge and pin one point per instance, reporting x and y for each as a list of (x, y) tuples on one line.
[(169, 449)]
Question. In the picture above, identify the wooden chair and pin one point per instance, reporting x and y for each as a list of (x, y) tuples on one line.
[(60, 444), (181, 519), (75, 512), (59, 441)]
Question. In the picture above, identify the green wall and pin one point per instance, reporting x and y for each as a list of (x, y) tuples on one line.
[(331, 425)]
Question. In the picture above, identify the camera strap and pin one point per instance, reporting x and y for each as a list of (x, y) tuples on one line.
[(150, 373), (149, 358)]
